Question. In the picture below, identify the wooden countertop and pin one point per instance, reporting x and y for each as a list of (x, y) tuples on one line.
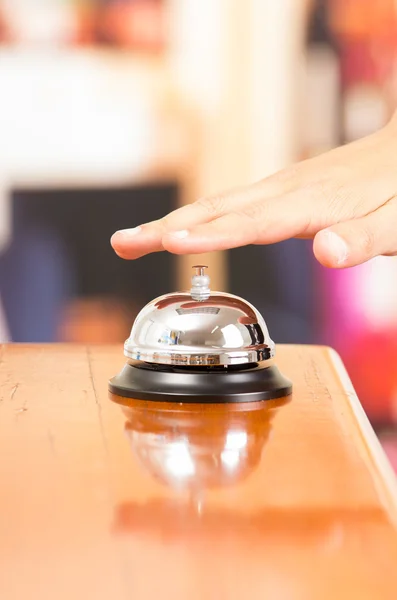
[(290, 500)]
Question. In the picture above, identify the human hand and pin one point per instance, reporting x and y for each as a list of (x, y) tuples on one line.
[(345, 199)]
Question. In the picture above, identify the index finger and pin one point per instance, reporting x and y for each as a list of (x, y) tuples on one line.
[(146, 238)]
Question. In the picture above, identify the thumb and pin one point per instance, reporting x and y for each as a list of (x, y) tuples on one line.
[(354, 242)]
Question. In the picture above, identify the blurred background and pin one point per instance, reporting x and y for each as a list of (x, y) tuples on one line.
[(115, 112)]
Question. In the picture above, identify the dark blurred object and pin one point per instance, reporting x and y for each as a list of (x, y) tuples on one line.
[(36, 278), (61, 255), (278, 280)]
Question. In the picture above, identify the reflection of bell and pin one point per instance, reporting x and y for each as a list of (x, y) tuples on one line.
[(200, 346), (197, 447), (200, 447)]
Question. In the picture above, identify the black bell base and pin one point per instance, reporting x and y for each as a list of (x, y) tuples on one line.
[(251, 383)]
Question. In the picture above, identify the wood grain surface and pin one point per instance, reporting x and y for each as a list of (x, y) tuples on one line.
[(108, 498)]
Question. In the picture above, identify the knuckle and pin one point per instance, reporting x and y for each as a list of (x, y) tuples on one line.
[(338, 202), (165, 223), (255, 211), (254, 216), (212, 205), (345, 203), (324, 192)]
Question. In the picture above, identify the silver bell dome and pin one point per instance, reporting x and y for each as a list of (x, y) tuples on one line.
[(199, 327)]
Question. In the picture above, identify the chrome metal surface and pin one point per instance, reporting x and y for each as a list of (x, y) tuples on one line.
[(175, 329)]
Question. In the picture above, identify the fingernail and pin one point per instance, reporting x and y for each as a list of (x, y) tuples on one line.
[(337, 246), (127, 233), (179, 234)]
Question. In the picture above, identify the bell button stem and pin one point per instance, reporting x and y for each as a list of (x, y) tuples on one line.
[(200, 289), (200, 269)]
